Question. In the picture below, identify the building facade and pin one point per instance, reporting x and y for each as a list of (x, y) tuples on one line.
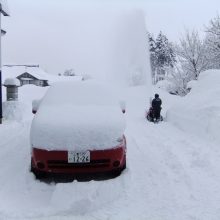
[(27, 74)]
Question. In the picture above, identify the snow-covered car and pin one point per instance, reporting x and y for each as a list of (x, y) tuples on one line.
[(78, 128)]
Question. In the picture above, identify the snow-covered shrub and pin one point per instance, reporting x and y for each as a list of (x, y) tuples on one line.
[(69, 72)]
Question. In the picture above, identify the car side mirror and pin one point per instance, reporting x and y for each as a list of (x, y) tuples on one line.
[(35, 105), (122, 104)]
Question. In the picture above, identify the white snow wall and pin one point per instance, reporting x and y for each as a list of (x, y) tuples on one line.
[(111, 45)]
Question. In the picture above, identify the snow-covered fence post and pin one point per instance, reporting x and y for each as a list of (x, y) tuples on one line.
[(12, 85)]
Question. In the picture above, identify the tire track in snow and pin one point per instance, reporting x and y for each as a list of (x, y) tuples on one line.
[(178, 161)]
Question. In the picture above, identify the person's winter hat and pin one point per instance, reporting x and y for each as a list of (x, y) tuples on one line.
[(156, 96)]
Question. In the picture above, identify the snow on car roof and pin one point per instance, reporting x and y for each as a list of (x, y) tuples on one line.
[(77, 116), (80, 93)]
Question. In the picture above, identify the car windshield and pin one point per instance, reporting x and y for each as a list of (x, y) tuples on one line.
[(79, 93)]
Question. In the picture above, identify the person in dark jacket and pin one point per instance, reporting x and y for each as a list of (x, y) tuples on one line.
[(156, 105)]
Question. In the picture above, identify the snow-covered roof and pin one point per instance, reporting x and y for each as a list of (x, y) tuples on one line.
[(23, 78), (12, 82), (10, 71), (5, 9), (3, 32)]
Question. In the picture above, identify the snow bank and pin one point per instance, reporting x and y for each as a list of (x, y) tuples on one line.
[(21, 110), (199, 111), (30, 92), (191, 84), (77, 116), (13, 110)]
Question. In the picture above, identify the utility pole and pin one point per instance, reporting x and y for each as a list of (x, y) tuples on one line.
[(5, 13)]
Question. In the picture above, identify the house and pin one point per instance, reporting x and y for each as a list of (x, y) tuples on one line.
[(27, 74)]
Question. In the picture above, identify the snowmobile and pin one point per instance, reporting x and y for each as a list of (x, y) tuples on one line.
[(150, 116)]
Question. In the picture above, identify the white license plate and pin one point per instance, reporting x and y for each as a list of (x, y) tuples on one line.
[(78, 157)]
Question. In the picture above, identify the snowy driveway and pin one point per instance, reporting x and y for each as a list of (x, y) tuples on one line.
[(170, 175)]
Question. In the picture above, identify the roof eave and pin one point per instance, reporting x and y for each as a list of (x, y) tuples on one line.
[(4, 13), (3, 32), (4, 9)]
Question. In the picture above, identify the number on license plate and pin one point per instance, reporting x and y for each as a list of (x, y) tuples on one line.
[(78, 157)]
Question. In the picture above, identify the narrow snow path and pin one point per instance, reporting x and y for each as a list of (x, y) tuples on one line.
[(177, 169)]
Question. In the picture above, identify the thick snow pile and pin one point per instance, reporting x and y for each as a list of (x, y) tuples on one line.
[(77, 116), (21, 110), (199, 111), (12, 82), (28, 93), (13, 110)]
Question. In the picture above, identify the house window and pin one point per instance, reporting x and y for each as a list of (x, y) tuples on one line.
[(24, 82), (40, 83)]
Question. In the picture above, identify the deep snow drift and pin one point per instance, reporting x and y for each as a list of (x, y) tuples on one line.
[(171, 173), (21, 110), (199, 111)]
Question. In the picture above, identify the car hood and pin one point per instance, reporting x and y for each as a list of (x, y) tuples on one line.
[(77, 127)]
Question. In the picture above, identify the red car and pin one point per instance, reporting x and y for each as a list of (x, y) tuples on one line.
[(78, 129)]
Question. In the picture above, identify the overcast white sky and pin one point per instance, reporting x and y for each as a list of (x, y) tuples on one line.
[(39, 31)]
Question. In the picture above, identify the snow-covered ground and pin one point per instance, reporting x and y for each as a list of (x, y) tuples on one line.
[(172, 172)]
